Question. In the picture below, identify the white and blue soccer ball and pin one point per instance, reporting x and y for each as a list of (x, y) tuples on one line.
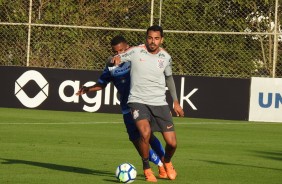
[(126, 173)]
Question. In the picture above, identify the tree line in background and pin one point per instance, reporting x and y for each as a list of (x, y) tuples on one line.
[(196, 53)]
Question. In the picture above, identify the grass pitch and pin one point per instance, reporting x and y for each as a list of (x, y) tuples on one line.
[(53, 147)]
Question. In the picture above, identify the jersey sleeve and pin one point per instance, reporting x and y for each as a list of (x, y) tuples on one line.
[(168, 68), (105, 77), (171, 87), (126, 56)]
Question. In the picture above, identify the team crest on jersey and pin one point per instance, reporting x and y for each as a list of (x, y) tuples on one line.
[(161, 55), (160, 63), (143, 51), (135, 114)]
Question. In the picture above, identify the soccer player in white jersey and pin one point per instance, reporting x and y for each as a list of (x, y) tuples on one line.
[(120, 76), (151, 67)]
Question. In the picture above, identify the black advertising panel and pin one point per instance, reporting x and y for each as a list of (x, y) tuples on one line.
[(214, 98), (54, 89)]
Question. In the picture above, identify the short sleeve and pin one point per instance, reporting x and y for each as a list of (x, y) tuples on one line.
[(168, 68)]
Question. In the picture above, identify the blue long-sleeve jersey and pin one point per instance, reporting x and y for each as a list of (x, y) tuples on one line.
[(120, 76)]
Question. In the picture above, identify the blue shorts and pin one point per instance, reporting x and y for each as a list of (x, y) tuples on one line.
[(131, 128)]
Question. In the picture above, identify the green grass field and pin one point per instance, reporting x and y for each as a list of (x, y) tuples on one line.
[(53, 147)]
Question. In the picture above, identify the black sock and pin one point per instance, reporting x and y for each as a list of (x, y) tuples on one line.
[(146, 164), (167, 158)]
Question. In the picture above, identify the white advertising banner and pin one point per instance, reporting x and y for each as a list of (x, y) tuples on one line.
[(266, 99)]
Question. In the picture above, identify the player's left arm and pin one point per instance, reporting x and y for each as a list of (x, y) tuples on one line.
[(172, 89)]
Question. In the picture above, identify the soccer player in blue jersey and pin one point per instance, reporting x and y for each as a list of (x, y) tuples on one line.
[(120, 76)]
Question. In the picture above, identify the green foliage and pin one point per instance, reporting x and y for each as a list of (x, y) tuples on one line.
[(199, 53), (220, 54)]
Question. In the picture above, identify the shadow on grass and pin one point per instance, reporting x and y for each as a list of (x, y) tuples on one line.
[(241, 165), (65, 168), (269, 155)]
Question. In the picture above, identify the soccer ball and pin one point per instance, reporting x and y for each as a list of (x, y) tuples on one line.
[(126, 173)]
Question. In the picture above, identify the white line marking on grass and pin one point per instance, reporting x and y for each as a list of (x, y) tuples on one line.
[(64, 123), (207, 123), (219, 123), (182, 123)]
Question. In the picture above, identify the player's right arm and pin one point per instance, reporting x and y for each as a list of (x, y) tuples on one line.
[(124, 57), (103, 80), (95, 87)]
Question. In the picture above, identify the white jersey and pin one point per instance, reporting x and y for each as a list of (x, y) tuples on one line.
[(148, 73)]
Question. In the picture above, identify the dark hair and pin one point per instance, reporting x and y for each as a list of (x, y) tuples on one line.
[(117, 40), (156, 28)]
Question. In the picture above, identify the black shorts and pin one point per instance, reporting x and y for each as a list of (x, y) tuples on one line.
[(159, 116)]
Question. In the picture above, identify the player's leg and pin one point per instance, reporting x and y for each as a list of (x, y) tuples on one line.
[(144, 129), (141, 116), (163, 123), (156, 160), (132, 131), (158, 148), (164, 120), (134, 136), (153, 157), (171, 145), (154, 141)]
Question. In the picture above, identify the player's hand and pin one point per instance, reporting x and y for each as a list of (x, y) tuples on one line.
[(178, 109), (116, 60), (82, 90)]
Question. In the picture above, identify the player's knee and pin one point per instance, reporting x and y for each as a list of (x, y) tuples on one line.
[(145, 130), (146, 135), (173, 145), (170, 139)]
